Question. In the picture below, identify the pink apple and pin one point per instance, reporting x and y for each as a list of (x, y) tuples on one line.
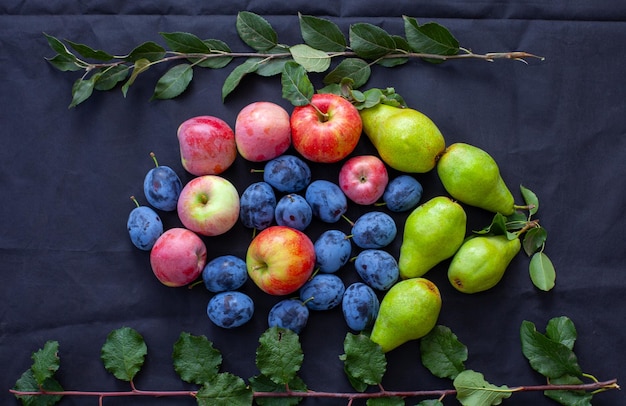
[(280, 260), (207, 145), (363, 179), (262, 131), (178, 257), (208, 205), (327, 132)]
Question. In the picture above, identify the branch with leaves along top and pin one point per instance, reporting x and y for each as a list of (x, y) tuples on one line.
[(367, 45)]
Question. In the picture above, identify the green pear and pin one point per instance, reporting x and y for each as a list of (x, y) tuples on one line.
[(408, 311), (406, 139), (433, 232), (481, 261), (472, 177)]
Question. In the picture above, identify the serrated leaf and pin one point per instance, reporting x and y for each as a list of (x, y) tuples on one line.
[(401, 45), (356, 69), (64, 63), (430, 38), (279, 355), (542, 272), (363, 359), (141, 65), (474, 390), (321, 34), (173, 82), (45, 361), (88, 52), (262, 383), (184, 42), (150, 51), (82, 89), (216, 46), (310, 58), (195, 359), (112, 76), (562, 329), (123, 353), (59, 47), (296, 86), (530, 198), (534, 239), (256, 31), (442, 353), (548, 357), (28, 383), (370, 42), (569, 398), (235, 77), (224, 389), (387, 401)]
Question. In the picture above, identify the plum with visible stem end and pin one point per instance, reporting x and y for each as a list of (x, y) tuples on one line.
[(162, 186), (322, 292), (292, 314), (327, 200), (332, 251), (144, 226), (287, 173), (374, 229)]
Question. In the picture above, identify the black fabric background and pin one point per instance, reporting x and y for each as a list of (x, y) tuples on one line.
[(69, 272)]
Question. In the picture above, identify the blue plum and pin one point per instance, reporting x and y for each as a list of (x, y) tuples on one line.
[(374, 229), (287, 173), (144, 226), (378, 268), (322, 292), (403, 193), (332, 250), (224, 273), (230, 309), (327, 200), (256, 206), (162, 187), (292, 210), (289, 313), (360, 306)]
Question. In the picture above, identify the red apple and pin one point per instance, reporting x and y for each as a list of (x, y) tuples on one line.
[(178, 257), (326, 130), (262, 131), (363, 179), (207, 145), (208, 205), (280, 260)]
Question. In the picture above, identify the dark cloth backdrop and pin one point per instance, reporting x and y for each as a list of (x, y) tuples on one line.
[(69, 272)]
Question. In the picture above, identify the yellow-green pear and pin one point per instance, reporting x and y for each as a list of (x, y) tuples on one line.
[(472, 177), (433, 232), (408, 311), (481, 262), (406, 139)]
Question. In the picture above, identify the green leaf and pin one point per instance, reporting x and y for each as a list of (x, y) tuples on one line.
[(297, 88), (363, 359), (150, 51), (321, 34), (64, 63), (442, 353), (58, 47), (430, 402), (235, 77), (141, 65), (28, 383), (88, 52), (195, 359), (123, 353), (474, 390), (184, 42), (542, 272), (530, 198), (401, 45), (562, 330), (534, 240), (216, 46), (390, 401), (353, 68), (82, 89), (569, 398), (550, 358), (173, 82), (262, 383), (279, 355), (498, 226), (430, 38), (224, 389), (370, 42), (255, 31), (45, 361), (309, 58), (111, 76)]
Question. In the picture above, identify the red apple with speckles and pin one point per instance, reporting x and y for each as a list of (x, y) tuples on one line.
[(178, 257), (363, 179), (262, 131), (207, 145)]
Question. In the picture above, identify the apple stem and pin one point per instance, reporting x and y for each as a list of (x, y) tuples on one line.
[(322, 116), (153, 156), (134, 200)]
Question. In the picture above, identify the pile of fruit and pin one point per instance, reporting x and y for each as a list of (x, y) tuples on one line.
[(282, 259)]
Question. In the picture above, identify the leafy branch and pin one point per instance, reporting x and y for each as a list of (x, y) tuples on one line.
[(366, 45), (280, 356)]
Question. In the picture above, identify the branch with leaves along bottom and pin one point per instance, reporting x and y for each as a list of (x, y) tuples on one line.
[(280, 356)]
